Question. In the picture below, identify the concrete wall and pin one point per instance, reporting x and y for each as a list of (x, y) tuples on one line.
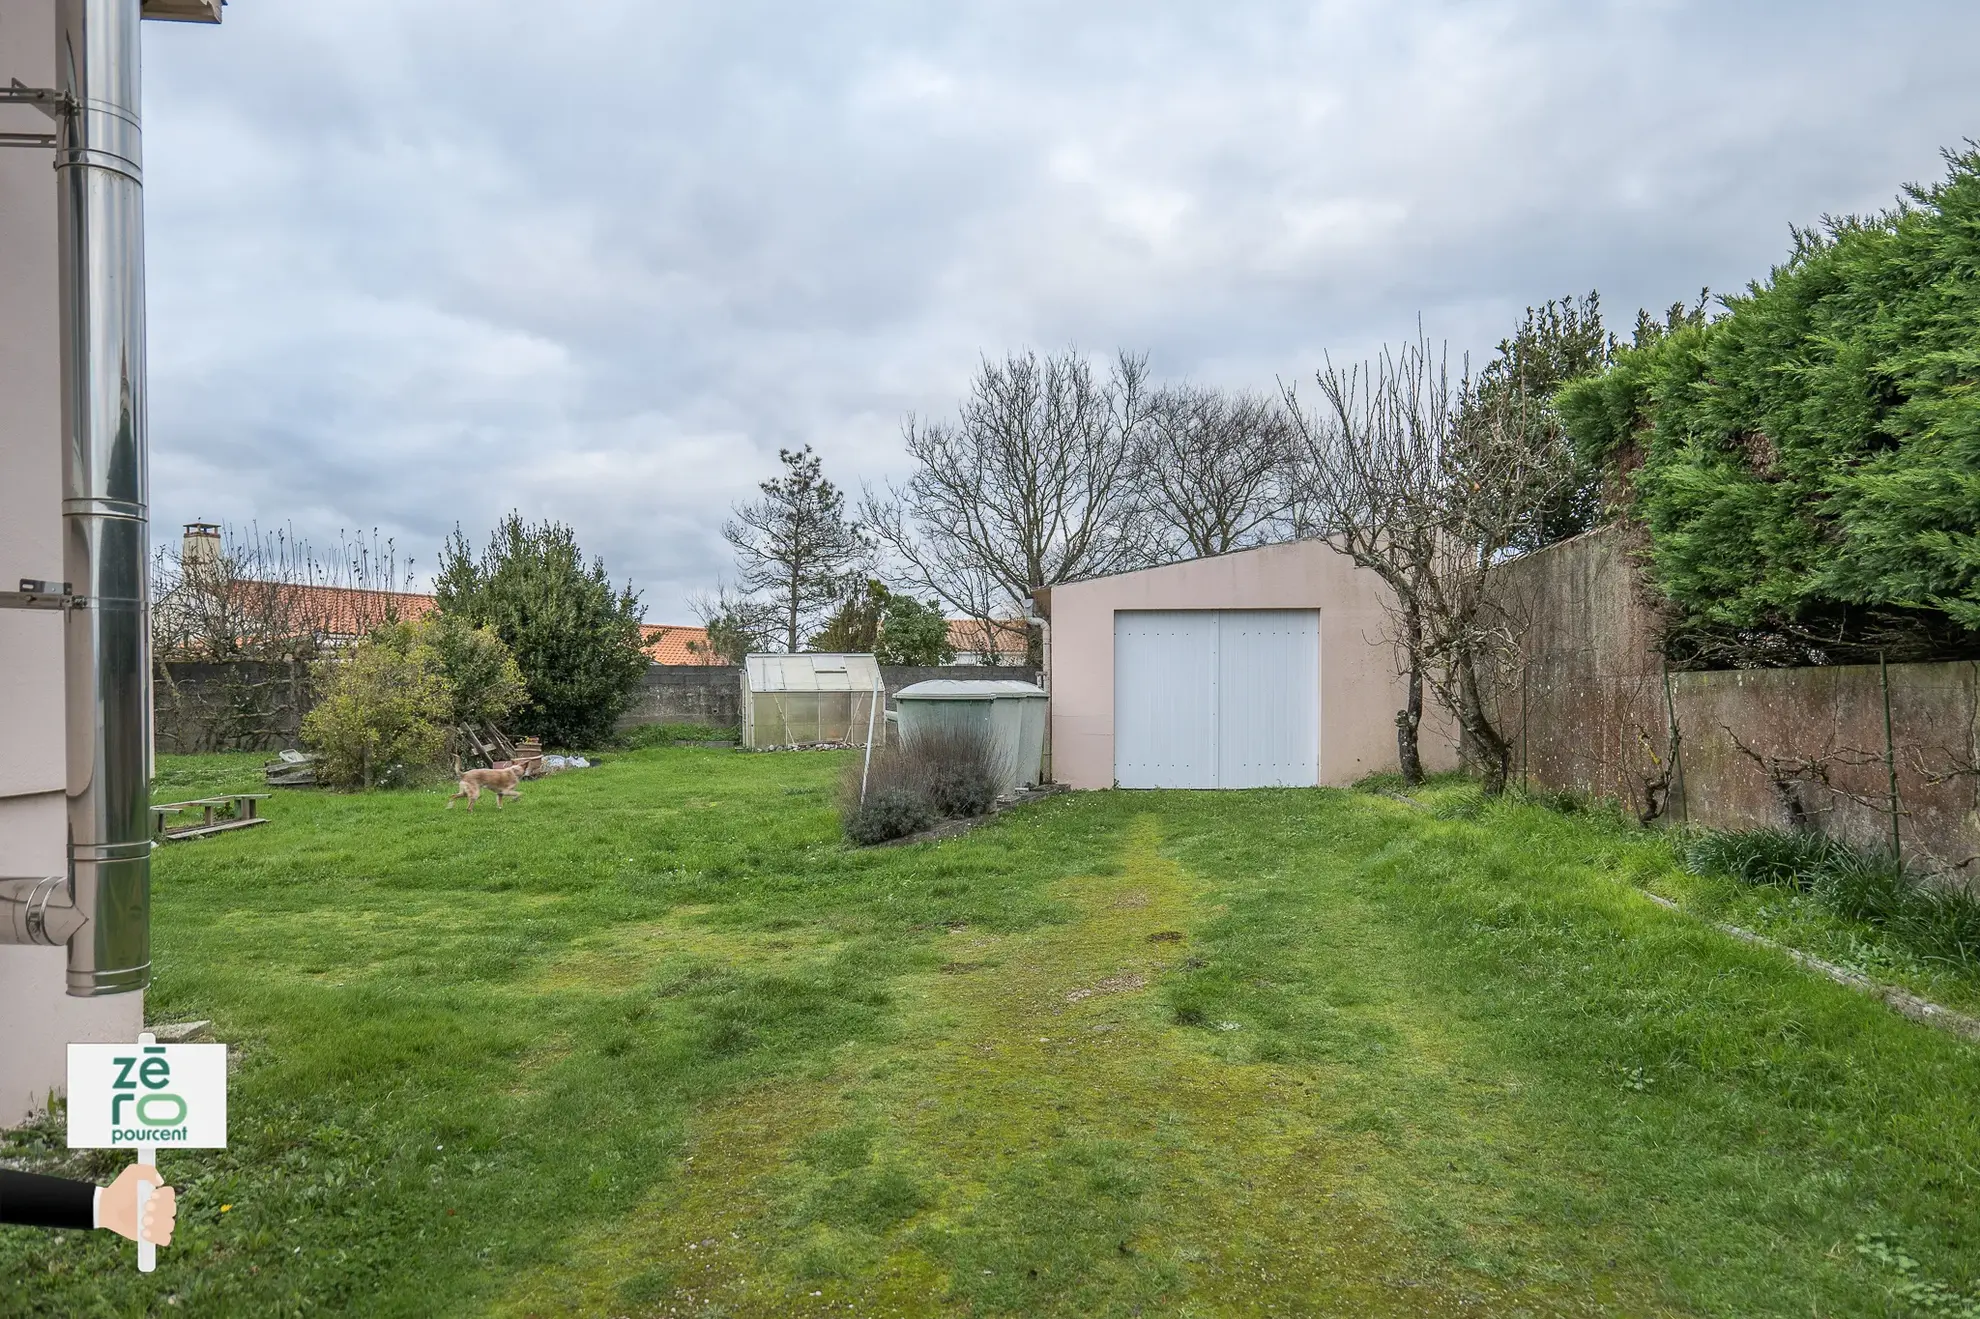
[(1594, 709), (1586, 709), (688, 694), (1814, 746), (40, 1019), (712, 693), (245, 705), (1360, 690), (897, 676)]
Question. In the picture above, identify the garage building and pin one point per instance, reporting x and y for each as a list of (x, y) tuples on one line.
[(1262, 668)]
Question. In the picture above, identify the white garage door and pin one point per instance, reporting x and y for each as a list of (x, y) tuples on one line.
[(1217, 698)]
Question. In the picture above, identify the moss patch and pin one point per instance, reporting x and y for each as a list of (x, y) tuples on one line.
[(1048, 1134), (656, 1042)]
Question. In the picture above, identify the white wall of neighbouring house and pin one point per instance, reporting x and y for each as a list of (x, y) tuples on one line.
[(1358, 677), (37, 1017)]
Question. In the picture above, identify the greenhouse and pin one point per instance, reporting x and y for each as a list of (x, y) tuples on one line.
[(811, 700)]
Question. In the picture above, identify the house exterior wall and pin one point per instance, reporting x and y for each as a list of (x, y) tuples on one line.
[(1360, 687), (37, 1017)]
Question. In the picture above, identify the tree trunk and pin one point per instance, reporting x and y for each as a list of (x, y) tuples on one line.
[(1409, 719), (1483, 744)]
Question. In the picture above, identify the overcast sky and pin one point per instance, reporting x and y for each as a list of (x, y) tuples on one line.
[(418, 262)]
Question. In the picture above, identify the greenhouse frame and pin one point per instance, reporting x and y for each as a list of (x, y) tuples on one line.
[(812, 700)]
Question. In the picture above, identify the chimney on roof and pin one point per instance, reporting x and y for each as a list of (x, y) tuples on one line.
[(199, 551)]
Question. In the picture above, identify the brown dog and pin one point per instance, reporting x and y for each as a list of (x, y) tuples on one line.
[(501, 782)]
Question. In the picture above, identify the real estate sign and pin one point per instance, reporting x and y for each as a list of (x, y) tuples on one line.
[(145, 1095)]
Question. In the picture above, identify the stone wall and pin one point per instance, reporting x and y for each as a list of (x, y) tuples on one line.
[(243, 705), (712, 693), (1592, 709)]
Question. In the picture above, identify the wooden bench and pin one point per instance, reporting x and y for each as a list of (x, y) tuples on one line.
[(245, 814)]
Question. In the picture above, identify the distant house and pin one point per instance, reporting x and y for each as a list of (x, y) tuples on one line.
[(211, 608), (1001, 641), (342, 614), (677, 643), (207, 600), (338, 615), (274, 619)]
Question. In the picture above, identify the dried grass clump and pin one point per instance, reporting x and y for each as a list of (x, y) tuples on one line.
[(951, 772)]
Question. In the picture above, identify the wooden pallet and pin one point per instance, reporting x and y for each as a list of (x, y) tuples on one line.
[(488, 743), (245, 815), (299, 772), (528, 756)]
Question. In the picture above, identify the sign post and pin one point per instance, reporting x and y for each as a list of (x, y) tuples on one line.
[(146, 1097), (147, 1250)]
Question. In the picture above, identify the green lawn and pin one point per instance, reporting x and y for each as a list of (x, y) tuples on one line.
[(652, 1041)]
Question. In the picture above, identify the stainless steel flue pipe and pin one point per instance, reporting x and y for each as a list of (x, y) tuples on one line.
[(107, 647), (101, 909)]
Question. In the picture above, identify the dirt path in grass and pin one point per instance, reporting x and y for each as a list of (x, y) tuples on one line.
[(1041, 1137)]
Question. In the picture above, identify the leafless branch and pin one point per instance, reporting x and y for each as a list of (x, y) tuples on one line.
[(1429, 487), (1791, 773), (270, 595), (1215, 470), (1030, 486)]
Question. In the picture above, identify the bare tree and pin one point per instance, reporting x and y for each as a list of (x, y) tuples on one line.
[(1368, 461), (1429, 488), (794, 546), (1497, 472), (228, 596), (736, 626), (270, 595), (1030, 486), (1212, 469)]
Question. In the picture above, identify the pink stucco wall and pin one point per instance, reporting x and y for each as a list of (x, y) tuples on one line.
[(1360, 690)]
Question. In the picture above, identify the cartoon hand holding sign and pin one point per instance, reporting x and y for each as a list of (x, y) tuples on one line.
[(146, 1097)]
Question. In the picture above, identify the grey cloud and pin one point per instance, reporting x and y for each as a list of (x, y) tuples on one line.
[(415, 264)]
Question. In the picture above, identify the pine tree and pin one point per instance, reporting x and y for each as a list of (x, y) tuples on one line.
[(1559, 341), (576, 639), (794, 547)]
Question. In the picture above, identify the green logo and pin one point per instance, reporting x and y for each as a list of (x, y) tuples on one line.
[(153, 1074)]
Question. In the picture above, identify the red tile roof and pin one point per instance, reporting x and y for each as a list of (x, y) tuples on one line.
[(669, 643), (1010, 637), (346, 612), (343, 613)]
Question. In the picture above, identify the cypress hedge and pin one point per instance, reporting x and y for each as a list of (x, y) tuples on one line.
[(1808, 462)]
